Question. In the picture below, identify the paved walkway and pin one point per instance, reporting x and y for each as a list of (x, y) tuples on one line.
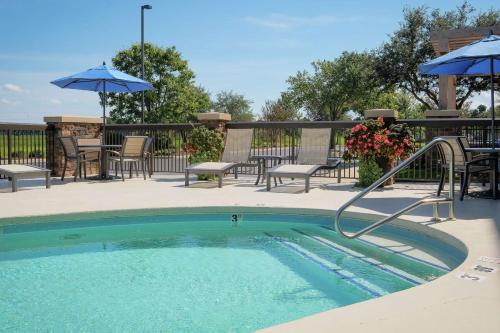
[(449, 304)]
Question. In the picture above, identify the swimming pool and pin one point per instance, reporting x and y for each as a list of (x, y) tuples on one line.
[(201, 270)]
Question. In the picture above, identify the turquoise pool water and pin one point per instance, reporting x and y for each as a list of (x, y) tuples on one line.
[(194, 270)]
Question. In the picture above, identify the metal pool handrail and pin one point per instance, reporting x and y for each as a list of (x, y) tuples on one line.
[(435, 201)]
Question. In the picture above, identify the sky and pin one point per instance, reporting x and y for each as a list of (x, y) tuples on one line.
[(249, 47)]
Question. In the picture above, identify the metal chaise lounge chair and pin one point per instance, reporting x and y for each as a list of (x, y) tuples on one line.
[(312, 156), (236, 154)]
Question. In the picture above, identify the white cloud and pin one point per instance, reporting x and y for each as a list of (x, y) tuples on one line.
[(9, 102), (55, 101), (285, 22), (12, 87)]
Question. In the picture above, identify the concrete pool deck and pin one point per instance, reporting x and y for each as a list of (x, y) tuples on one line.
[(464, 300)]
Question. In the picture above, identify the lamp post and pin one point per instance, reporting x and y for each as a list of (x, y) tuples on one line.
[(143, 7)]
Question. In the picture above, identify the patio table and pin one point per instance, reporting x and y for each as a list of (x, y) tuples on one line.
[(262, 162), (104, 155), (493, 193)]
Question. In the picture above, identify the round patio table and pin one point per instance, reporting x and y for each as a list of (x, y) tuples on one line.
[(493, 192), (104, 156), (263, 164)]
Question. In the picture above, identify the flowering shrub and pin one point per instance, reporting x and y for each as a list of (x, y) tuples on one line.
[(372, 140)]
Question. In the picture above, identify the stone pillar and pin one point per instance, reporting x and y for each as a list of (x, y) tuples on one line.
[(443, 130), (82, 127), (214, 120), (389, 115), (447, 92)]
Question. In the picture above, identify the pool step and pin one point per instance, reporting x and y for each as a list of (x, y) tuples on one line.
[(345, 275), (395, 258), (410, 278)]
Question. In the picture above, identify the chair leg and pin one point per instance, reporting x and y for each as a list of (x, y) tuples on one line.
[(259, 171), (129, 169), (64, 169), (77, 168), (121, 170), (276, 183), (186, 178), (143, 169), (268, 183), (465, 187), (116, 169), (307, 184), (235, 173), (136, 163), (441, 182)]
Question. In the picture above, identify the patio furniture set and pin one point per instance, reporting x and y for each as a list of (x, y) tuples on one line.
[(312, 156), (133, 150)]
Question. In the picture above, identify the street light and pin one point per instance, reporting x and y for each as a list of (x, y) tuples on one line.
[(143, 7)]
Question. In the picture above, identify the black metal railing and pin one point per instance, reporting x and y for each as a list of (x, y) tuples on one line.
[(34, 144), (24, 144)]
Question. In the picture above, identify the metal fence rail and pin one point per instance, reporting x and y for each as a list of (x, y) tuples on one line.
[(34, 144), (23, 144), (282, 138)]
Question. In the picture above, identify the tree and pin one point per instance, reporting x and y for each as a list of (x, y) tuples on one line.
[(335, 87), (175, 97), (234, 104), (279, 110), (398, 59)]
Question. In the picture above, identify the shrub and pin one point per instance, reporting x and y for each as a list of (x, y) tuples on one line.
[(204, 145), (369, 172)]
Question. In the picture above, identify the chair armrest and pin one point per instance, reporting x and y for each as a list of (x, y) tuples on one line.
[(113, 152), (482, 159)]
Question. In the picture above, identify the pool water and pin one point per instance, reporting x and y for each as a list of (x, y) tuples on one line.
[(193, 271)]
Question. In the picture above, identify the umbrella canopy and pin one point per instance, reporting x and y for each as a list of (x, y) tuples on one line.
[(103, 79), (478, 58)]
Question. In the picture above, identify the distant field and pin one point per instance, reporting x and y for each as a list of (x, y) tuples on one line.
[(27, 146)]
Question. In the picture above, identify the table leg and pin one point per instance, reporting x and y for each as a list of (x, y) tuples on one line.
[(259, 171)]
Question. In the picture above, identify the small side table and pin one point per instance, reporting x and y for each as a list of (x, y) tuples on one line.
[(262, 162)]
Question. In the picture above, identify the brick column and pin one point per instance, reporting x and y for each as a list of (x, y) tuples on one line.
[(214, 120), (83, 127)]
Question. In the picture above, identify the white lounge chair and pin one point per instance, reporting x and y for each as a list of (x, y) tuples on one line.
[(236, 154), (311, 157)]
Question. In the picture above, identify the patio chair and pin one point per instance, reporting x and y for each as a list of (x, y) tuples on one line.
[(132, 152), (93, 154), (465, 163), (311, 157), (147, 156), (236, 154), (70, 150)]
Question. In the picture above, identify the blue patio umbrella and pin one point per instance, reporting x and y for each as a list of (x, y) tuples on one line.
[(478, 58), (103, 79)]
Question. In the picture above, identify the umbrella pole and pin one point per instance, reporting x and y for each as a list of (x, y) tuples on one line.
[(493, 134), (104, 159)]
